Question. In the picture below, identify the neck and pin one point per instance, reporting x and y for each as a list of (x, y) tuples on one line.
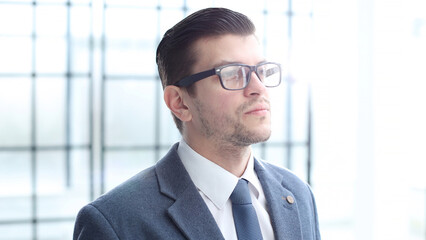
[(232, 158)]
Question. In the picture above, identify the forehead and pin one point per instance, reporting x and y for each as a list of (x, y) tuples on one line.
[(215, 51)]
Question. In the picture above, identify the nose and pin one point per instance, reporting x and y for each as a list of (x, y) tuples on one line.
[(255, 86)]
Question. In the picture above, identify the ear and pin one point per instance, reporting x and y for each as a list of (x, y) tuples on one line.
[(175, 99)]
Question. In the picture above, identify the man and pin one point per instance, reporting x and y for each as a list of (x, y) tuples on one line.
[(209, 185)]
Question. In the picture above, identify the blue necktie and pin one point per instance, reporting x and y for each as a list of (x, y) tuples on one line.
[(245, 218)]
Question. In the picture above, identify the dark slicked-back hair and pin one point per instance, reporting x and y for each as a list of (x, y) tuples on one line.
[(175, 53)]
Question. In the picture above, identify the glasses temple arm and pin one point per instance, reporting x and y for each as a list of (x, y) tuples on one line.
[(187, 81)]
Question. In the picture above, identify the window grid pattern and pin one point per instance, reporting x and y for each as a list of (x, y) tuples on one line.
[(49, 155), (130, 92)]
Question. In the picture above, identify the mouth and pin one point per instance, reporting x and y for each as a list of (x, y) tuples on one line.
[(258, 110)]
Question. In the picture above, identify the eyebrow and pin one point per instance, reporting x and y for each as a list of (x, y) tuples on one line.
[(222, 63)]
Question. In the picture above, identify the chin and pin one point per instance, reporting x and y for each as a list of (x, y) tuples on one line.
[(245, 135), (265, 137), (248, 138), (262, 131), (260, 136)]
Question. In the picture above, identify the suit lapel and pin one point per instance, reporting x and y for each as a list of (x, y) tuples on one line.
[(189, 212), (282, 205), (192, 216)]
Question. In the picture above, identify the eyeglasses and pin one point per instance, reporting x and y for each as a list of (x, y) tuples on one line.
[(237, 76)]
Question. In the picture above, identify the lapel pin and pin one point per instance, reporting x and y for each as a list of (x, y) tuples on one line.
[(289, 199)]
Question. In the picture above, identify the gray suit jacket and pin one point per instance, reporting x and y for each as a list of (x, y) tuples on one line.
[(162, 202)]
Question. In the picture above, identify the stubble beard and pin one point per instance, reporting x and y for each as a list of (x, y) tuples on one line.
[(217, 128)]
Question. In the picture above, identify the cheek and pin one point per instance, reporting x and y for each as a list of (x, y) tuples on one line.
[(218, 101), (225, 105), (213, 98)]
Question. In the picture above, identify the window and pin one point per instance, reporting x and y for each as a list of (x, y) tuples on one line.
[(81, 105)]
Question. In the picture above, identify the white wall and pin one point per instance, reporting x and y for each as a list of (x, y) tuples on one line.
[(369, 118)]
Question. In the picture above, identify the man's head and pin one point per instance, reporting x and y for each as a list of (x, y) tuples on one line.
[(215, 78), (176, 54)]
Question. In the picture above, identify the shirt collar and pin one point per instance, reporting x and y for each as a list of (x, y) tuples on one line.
[(251, 176), (211, 179)]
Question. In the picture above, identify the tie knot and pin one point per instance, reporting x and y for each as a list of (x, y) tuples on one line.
[(241, 193)]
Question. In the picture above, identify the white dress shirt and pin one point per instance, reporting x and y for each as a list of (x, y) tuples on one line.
[(216, 185)]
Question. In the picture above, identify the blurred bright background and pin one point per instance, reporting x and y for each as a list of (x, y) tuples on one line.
[(81, 107)]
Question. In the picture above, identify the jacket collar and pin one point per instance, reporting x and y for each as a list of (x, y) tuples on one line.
[(188, 212), (281, 203), (193, 218)]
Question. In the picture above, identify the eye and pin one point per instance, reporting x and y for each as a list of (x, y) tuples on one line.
[(241, 73), (232, 73), (233, 77), (267, 70), (262, 73)]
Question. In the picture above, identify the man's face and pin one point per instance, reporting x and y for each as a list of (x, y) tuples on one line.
[(238, 118)]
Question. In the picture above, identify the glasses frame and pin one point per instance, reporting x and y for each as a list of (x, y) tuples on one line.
[(189, 80)]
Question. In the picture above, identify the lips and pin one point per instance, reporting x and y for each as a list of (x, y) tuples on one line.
[(260, 109)]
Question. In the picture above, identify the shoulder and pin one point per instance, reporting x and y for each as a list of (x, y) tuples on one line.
[(134, 209), (286, 179), (135, 194), (143, 182), (144, 187), (290, 179), (142, 193)]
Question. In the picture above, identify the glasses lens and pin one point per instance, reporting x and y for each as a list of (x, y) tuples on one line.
[(269, 74), (234, 77)]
